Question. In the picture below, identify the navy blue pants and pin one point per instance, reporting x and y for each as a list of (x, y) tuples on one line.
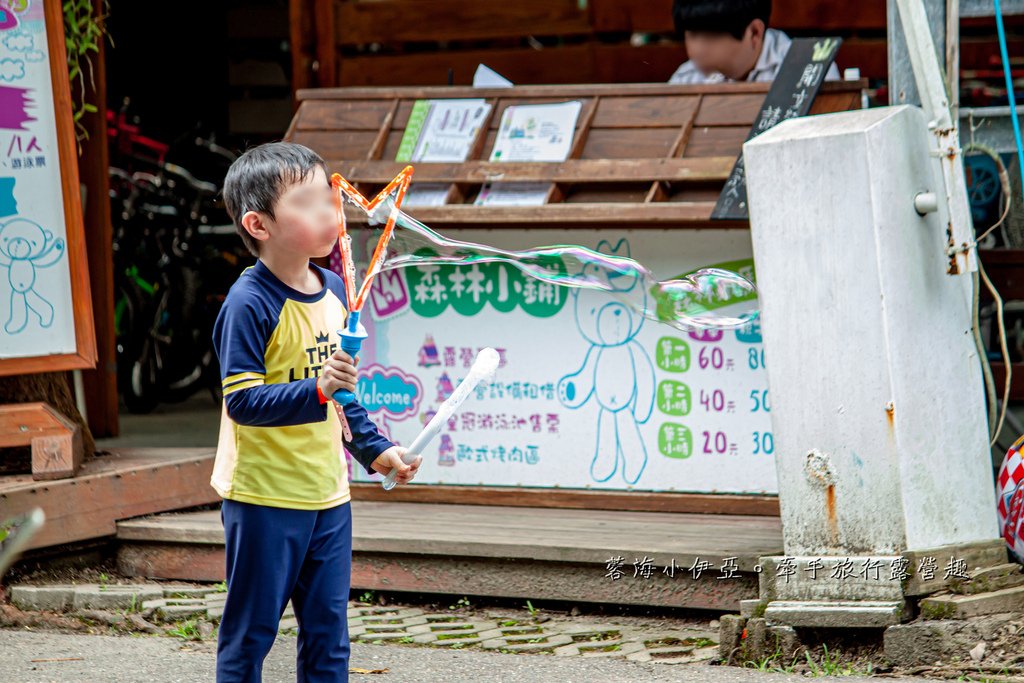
[(274, 555)]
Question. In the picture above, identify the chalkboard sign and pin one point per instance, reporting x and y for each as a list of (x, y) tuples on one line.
[(791, 95), (45, 311)]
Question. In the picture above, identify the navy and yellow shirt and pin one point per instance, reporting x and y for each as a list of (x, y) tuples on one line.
[(279, 446)]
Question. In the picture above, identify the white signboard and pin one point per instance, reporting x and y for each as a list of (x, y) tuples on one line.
[(589, 393), (36, 312)]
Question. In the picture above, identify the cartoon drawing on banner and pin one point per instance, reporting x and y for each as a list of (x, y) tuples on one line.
[(428, 357), (25, 246), (10, 20), (617, 374), (444, 387), (446, 452)]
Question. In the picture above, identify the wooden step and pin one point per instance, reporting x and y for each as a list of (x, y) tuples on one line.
[(538, 553), (110, 487)]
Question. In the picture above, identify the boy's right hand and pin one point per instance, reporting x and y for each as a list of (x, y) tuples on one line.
[(339, 372)]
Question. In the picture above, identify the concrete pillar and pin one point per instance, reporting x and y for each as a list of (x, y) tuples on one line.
[(878, 405)]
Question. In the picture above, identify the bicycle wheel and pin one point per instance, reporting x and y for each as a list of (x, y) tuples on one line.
[(136, 368)]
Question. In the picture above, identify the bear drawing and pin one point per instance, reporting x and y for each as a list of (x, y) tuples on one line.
[(24, 247), (616, 373)]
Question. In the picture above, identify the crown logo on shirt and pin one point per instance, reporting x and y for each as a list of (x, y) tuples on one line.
[(322, 338)]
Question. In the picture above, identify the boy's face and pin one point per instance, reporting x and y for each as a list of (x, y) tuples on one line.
[(722, 53), (304, 221)]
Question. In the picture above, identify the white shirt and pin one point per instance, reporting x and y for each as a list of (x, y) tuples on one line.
[(773, 51)]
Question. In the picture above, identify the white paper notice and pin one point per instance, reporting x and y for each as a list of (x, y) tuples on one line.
[(536, 132), (449, 129), (512, 194), (486, 77), (426, 194)]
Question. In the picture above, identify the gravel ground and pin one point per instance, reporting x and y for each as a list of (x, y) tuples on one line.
[(130, 659)]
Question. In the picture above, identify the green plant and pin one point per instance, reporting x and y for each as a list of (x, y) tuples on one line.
[(532, 610), (700, 642), (831, 665), (103, 581), (83, 31), (461, 602), (221, 587), (772, 663), (134, 604), (366, 597), (186, 630)]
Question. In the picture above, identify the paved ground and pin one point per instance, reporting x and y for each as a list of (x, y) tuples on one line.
[(154, 659)]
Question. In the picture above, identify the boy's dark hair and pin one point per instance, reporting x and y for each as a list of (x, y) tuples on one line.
[(258, 178), (719, 16)]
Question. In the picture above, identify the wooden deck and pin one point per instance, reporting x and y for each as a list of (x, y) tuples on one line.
[(558, 554), (124, 484), (473, 549)]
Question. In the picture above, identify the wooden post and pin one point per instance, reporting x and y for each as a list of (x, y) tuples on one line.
[(326, 50), (93, 164)]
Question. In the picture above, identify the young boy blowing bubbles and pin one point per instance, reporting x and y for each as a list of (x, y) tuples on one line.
[(279, 466)]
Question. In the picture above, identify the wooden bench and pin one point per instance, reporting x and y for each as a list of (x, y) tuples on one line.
[(56, 441)]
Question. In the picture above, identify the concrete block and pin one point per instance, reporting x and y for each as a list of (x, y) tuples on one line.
[(188, 591), (926, 643), (966, 606), (173, 609), (752, 608), (730, 635), (114, 597), (826, 578), (837, 614), (990, 579), (42, 598), (766, 640)]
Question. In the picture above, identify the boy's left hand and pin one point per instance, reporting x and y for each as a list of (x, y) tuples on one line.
[(392, 458)]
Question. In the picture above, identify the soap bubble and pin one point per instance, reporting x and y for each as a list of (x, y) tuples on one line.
[(705, 298)]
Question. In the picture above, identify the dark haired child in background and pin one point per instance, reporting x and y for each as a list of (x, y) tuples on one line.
[(729, 40)]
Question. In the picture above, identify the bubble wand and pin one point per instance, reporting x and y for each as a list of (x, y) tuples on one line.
[(354, 333), (484, 366)]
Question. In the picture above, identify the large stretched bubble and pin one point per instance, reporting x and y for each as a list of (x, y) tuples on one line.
[(708, 297)]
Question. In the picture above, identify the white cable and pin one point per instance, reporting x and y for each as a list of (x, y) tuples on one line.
[(1002, 348)]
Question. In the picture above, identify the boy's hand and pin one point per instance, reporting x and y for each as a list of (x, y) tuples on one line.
[(392, 458), (339, 372)]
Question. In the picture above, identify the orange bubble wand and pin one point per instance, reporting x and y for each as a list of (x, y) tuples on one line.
[(348, 267), (354, 333)]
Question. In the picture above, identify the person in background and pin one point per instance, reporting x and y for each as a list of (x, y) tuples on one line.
[(729, 40)]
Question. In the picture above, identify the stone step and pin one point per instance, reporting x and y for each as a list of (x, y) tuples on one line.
[(966, 606), (991, 579), (835, 614)]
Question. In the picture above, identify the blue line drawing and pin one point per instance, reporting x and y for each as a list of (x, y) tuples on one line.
[(617, 374), (25, 246)]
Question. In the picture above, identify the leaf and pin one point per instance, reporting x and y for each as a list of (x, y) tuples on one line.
[(358, 670)]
